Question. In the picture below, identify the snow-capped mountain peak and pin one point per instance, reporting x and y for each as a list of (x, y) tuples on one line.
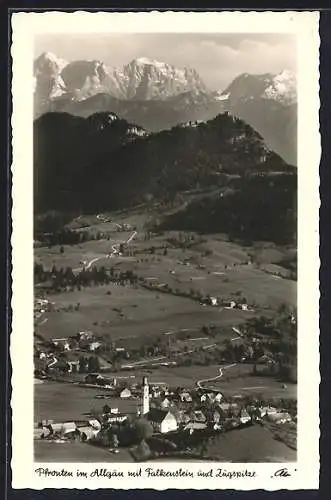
[(49, 63), (149, 62), (279, 87), (149, 79), (283, 87)]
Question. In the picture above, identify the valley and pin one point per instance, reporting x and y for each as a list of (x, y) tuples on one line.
[(163, 253)]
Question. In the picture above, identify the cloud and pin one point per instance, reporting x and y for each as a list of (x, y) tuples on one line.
[(217, 58)]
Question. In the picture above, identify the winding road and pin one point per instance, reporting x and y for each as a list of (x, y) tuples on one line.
[(212, 379), (53, 362)]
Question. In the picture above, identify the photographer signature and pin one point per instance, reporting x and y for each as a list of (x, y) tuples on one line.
[(282, 473)]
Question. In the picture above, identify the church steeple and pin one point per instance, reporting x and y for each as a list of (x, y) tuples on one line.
[(145, 396)]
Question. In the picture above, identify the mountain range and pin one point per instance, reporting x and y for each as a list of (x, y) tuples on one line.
[(103, 162), (157, 96)]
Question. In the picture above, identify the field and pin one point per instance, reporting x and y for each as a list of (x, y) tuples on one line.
[(49, 451), (66, 402), (252, 444), (129, 312), (208, 265)]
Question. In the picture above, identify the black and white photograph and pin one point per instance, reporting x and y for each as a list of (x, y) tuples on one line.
[(166, 236)]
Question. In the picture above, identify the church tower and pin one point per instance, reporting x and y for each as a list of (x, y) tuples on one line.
[(145, 397)]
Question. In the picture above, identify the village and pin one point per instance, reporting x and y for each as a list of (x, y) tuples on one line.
[(164, 419), (167, 421), (160, 345)]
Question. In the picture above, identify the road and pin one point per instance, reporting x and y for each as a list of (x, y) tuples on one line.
[(212, 379), (53, 362), (115, 250)]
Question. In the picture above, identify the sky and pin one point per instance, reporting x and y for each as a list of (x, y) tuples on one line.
[(218, 58)]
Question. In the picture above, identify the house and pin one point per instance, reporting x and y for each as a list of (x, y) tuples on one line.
[(185, 397), (195, 426), (199, 416), (94, 345), (116, 418), (63, 428), (62, 343), (95, 423), (93, 378), (73, 366), (218, 397), (69, 427), (265, 359), (229, 305), (165, 403), (279, 417), (87, 432), (125, 393), (156, 393), (163, 421), (40, 432), (244, 417), (225, 406), (218, 415), (213, 301), (85, 335)]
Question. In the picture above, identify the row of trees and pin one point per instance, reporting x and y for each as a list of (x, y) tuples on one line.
[(65, 279)]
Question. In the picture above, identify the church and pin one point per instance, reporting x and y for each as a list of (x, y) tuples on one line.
[(162, 421)]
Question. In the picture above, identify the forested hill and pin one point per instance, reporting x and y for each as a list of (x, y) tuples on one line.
[(261, 208), (103, 162)]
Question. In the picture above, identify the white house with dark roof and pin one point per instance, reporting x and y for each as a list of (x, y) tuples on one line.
[(163, 421)]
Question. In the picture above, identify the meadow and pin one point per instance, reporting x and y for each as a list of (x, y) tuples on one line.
[(251, 444), (128, 312), (50, 451), (211, 266)]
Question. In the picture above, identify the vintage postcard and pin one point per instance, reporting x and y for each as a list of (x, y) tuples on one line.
[(165, 243)]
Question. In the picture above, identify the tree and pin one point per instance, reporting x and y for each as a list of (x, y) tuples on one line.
[(93, 364), (106, 409), (143, 429), (82, 364)]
